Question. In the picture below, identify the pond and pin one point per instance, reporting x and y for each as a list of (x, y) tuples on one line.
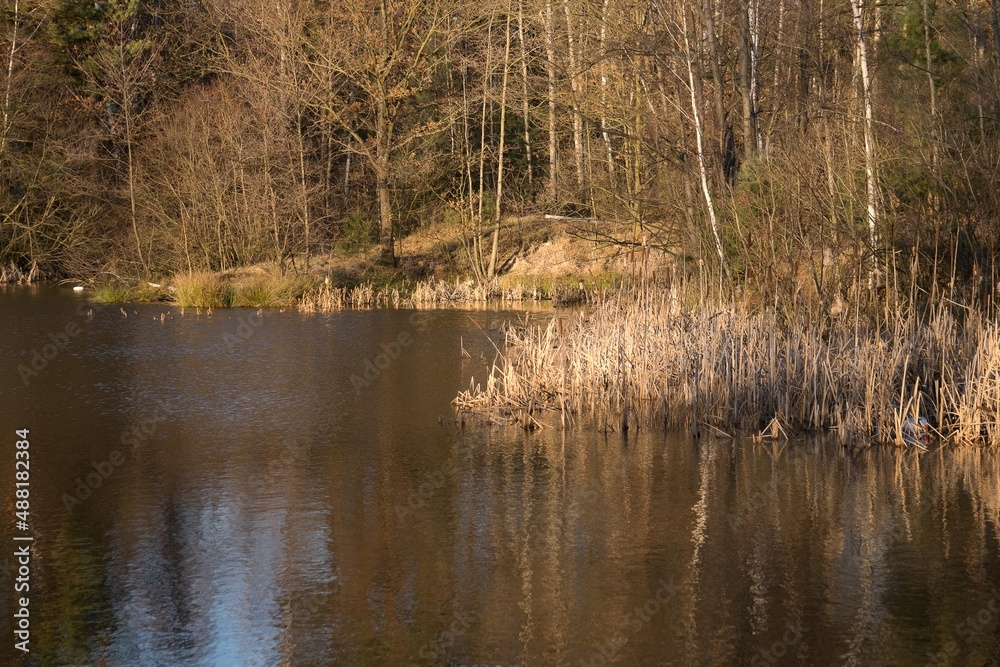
[(235, 488)]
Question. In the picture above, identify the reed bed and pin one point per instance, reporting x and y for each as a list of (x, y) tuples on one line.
[(427, 294), (637, 361), (269, 290), (14, 274)]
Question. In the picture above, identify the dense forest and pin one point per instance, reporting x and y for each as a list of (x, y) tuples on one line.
[(769, 140)]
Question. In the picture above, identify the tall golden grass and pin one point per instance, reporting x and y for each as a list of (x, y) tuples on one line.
[(201, 289), (215, 290), (637, 361)]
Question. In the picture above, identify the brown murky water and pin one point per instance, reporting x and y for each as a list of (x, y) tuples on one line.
[(218, 490)]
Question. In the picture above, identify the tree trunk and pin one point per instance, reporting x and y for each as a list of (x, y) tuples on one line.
[(491, 271), (713, 51), (550, 57), (383, 137), (701, 155), (604, 93), (754, 24), (929, 57), (856, 7), (744, 63), (996, 38), (385, 215), (577, 119), (487, 73), (10, 75), (347, 170), (524, 92), (931, 86), (778, 44), (801, 100), (127, 120), (302, 178)]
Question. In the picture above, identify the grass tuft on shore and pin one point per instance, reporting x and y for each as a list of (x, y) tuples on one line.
[(270, 291), (202, 289), (112, 293)]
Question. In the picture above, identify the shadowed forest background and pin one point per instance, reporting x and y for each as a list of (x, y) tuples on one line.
[(784, 143)]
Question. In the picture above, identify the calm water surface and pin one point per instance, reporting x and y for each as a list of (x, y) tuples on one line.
[(257, 506)]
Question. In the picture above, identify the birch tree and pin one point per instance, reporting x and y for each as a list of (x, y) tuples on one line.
[(8, 83), (696, 117), (857, 7), (525, 103), (550, 67)]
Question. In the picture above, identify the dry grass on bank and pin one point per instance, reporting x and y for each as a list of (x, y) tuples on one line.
[(207, 289), (439, 293), (638, 361)]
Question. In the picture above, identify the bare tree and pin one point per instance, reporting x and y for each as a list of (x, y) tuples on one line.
[(122, 74), (491, 271), (385, 51)]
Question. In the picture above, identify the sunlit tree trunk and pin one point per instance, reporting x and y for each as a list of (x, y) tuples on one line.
[(754, 21), (745, 75), (778, 44), (383, 135), (550, 58), (930, 83), (696, 115), (574, 89), (857, 7), (10, 76), (708, 19), (491, 271), (524, 92), (996, 37), (347, 168), (605, 137), (487, 74)]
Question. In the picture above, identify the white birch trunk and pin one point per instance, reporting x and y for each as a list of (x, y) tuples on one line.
[(10, 76), (604, 91), (524, 91), (778, 44), (697, 133), (574, 89), (856, 7), (754, 88)]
